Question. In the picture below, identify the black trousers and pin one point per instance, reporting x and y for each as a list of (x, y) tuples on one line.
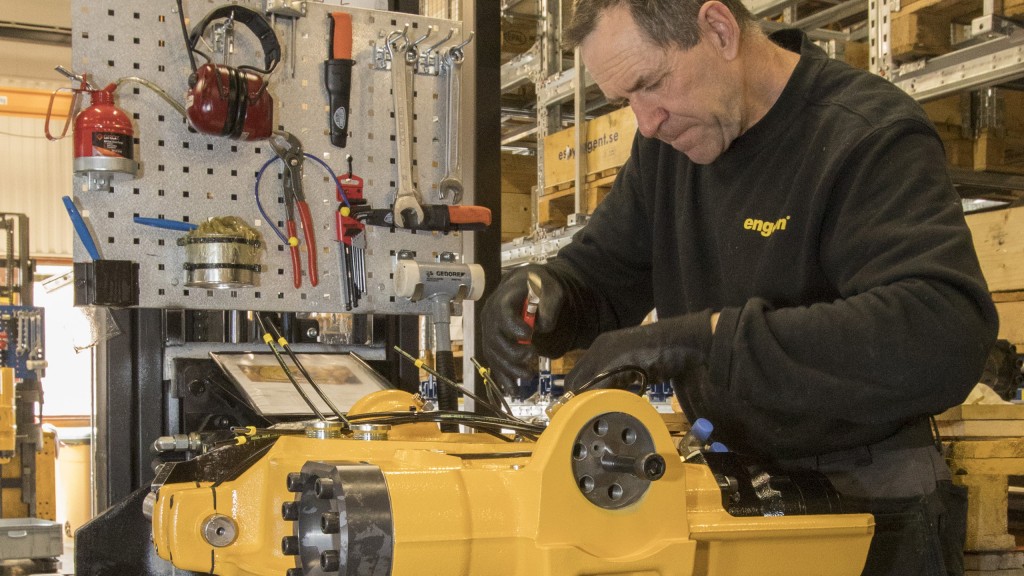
[(917, 535), (920, 516)]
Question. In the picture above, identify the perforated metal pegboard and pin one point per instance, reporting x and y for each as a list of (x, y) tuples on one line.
[(190, 176)]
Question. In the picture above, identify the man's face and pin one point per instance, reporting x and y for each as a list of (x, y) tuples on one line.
[(684, 98)]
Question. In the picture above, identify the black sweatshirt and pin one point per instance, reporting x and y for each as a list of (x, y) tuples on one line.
[(830, 238)]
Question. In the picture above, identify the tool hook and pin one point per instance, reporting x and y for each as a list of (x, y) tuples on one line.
[(451, 32), (393, 38), (459, 47), (412, 53)]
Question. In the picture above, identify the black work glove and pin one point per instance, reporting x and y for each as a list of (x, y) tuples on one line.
[(667, 349), (504, 328)]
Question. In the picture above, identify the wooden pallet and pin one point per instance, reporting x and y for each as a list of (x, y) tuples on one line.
[(559, 201), (995, 149), (985, 447), (926, 28)]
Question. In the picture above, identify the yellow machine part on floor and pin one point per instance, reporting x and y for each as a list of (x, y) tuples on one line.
[(14, 505), (8, 427), (430, 503)]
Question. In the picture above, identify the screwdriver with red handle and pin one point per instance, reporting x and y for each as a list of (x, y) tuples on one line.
[(530, 304)]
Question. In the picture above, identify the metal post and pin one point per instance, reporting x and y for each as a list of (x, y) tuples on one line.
[(481, 82)]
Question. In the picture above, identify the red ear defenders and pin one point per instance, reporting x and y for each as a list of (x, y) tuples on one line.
[(233, 102)]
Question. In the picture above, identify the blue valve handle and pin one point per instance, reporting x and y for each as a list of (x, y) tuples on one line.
[(83, 231)]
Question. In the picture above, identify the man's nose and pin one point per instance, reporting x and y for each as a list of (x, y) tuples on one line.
[(649, 117)]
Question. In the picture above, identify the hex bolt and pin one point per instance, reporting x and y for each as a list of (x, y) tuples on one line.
[(330, 523), (652, 466), (324, 488), (290, 545), (290, 511), (647, 467), (329, 561), (296, 481)]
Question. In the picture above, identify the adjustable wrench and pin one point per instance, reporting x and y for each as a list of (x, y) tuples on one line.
[(407, 208)]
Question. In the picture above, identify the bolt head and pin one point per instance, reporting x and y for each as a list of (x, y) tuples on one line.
[(290, 511), (296, 481), (329, 561), (290, 545)]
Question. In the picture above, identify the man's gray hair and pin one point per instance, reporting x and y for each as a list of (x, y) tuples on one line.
[(667, 23)]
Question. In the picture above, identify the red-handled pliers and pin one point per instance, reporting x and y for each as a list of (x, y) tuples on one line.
[(288, 147)]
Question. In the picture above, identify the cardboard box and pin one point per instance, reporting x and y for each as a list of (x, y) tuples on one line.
[(518, 174), (516, 215), (856, 54)]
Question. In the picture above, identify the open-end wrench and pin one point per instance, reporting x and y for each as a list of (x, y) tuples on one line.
[(451, 183), (407, 209)]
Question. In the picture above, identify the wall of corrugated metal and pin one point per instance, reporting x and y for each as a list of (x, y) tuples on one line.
[(34, 174)]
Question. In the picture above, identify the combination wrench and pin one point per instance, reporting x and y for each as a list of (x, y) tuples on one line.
[(407, 209), (451, 183), (450, 61)]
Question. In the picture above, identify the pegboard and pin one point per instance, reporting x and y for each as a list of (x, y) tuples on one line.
[(191, 177)]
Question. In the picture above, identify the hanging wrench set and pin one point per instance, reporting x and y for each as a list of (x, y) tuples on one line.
[(313, 143)]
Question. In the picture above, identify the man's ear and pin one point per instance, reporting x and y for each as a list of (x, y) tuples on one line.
[(719, 26)]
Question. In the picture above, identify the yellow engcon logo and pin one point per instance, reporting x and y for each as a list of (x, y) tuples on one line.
[(765, 227)]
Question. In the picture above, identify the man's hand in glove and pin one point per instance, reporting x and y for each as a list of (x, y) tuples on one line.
[(510, 345), (667, 349)]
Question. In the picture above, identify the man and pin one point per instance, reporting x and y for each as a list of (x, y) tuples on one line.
[(791, 221)]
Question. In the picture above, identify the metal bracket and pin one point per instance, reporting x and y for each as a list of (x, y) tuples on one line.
[(285, 8)]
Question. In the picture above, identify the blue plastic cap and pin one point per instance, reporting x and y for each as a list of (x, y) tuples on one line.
[(718, 447), (702, 429)]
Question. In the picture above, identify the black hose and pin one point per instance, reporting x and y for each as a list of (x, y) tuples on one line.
[(447, 397), (188, 44)]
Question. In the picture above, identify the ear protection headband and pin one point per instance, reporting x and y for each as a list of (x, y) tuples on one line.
[(256, 24), (228, 101)]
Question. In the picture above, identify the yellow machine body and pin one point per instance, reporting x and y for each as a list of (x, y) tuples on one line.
[(471, 504), (8, 427), (44, 502)]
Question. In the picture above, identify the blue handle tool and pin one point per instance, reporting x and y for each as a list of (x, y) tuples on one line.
[(81, 228), (168, 224)]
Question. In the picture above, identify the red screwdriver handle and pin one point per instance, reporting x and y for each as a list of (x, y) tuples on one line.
[(529, 316)]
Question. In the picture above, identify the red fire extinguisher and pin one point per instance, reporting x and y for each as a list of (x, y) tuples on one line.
[(103, 136)]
